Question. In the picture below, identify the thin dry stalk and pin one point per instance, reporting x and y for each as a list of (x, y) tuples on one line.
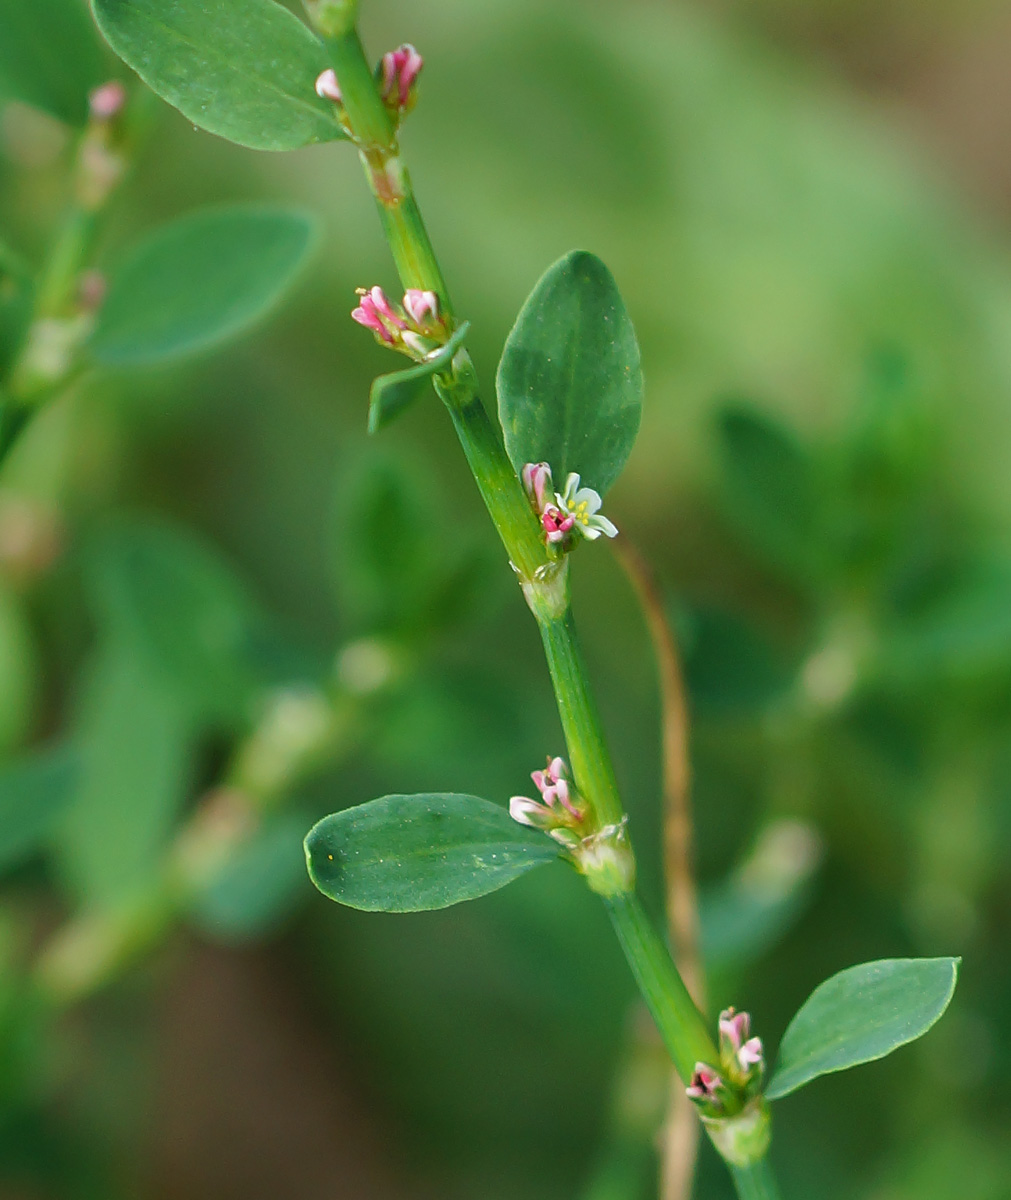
[(679, 1138)]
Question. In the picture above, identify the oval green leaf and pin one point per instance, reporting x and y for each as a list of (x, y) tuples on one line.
[(862, 1014), (199, 281), (414, 853), (392, 394), (570, 383), (243, 69), (49, 56)]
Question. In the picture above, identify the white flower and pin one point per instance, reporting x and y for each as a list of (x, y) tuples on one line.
[(583, 505)]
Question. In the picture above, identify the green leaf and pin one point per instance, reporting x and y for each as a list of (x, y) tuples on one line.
[(199, 281), (243, 69), (387, 540), (413, 853), (49, 56), (769, 488), (569, 383), (862, 1014), (136, 748), (33, 795), (392, 394), (174, 606)]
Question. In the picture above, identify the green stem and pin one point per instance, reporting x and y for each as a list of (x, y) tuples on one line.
[(376, 138), (544, 580), (755, 1182), (496, 479), (680, 1024), (69, 252), (584, 734)]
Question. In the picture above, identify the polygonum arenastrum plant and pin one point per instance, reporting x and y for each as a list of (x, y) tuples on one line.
[(569, 390)]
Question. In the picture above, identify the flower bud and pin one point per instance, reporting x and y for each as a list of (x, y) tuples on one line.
[(327, 87), (399, 73), (537, 484), (741, 1054), (421, 307), (107, 101)]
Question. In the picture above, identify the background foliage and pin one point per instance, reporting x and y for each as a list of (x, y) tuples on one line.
[(821, 475)]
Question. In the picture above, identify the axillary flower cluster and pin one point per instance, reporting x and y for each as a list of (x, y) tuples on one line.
[(397, 77), (415, 328), (602, 854), (724, 1091), (560, 812), (563, 515)]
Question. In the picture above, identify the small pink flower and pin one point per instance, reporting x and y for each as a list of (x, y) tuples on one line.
[(400, 70), (327, 87), (556, 523), (366, 314), (553, 784), (558, 809), (107, 101), (705, 1084), (376, 313), (422, 307)]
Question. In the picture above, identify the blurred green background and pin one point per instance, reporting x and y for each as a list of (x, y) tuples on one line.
[(805, 204)]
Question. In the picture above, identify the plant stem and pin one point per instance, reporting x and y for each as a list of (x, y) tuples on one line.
[(755, 1182), (584, 735), (376, 138), (544, 580), (680, 1024), (505, 500)]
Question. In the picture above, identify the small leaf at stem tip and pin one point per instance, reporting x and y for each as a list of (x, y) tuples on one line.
[(246, 72), (199, 281), (570, 383), (392, 394), (862, 1014), (415, 853)]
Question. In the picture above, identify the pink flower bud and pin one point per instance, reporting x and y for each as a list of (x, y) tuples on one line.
[(400, 69), (750, 1054), (422, 307), (735, 1028), (537, 482), (385, 309), (327, 87), (527, 812), (107, 101), (365, 314)]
